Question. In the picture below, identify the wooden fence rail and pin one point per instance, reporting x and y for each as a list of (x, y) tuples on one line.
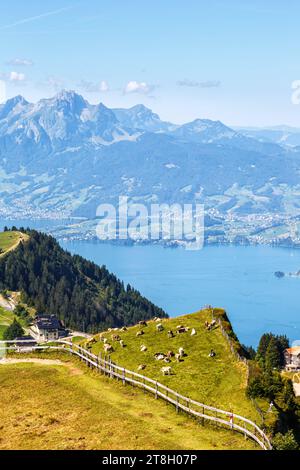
[(194, 408)]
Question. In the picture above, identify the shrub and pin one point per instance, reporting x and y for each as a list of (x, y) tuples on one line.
[(285, 441)]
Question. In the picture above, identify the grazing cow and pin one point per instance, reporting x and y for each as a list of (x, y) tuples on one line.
[(123, 328), (143, 348), (142, 367), (115, 337), (211, 325), (178, 327), (178, 357), (193, 332), (170, 354), (181, 330), (122, 343), (212, 353), (166, 370), (143, 323), (181, 352), (140, 333), (158, 319), (159, 327), (170, 334), (91, 341), (159, 356), (108, 348), (104, 340)]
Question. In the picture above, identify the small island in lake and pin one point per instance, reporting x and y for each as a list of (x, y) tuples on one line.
[(281, 274)]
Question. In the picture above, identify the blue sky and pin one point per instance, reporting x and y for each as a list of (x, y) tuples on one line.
[(185, 59)]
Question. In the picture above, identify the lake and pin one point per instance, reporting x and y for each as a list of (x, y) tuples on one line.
[(240, 279)]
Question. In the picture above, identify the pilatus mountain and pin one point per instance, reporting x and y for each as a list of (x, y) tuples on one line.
[(64, 156)]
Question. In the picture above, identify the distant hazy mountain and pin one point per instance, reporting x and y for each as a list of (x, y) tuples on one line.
[(140, 117), (66, 156), (282, 135)]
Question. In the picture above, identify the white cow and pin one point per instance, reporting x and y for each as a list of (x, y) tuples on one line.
[(143, 348), (193, 332), (166, 370), (159, 327), (108, 348), (159, 357), (181, 352)]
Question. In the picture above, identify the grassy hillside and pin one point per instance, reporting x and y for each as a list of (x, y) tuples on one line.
[(6, 318), (69, 407), (10, 240), (218, 381)]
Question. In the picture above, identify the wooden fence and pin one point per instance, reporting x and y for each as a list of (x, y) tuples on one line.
[(194, 408)]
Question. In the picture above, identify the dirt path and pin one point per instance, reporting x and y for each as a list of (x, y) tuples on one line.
[(47, 362), (22, 238), (7, 304), (43, 362)]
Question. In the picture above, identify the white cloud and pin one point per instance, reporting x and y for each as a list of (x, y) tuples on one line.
[(93, 87), (17, 62), (139, 87), (104, 86), (53, 83), (16, 77), (193, 83)]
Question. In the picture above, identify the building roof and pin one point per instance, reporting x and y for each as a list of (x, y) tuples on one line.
[(48, 322), (25, 341), (293, 351)]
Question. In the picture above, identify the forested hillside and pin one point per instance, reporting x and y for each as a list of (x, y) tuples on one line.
[(82, 294)]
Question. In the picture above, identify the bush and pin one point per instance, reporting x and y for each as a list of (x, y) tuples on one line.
[(285, 441), (13, 331)]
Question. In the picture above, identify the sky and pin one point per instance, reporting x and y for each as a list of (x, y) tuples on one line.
[(229, 60)]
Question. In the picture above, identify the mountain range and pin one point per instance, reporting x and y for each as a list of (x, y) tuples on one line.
[(64, 156)]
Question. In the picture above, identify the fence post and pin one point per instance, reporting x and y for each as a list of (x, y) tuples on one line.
[(100, 362), (123, 376), (177, 408), (156, 389)]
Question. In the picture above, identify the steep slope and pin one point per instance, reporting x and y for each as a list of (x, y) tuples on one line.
[(218, 381), (85, 296)]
